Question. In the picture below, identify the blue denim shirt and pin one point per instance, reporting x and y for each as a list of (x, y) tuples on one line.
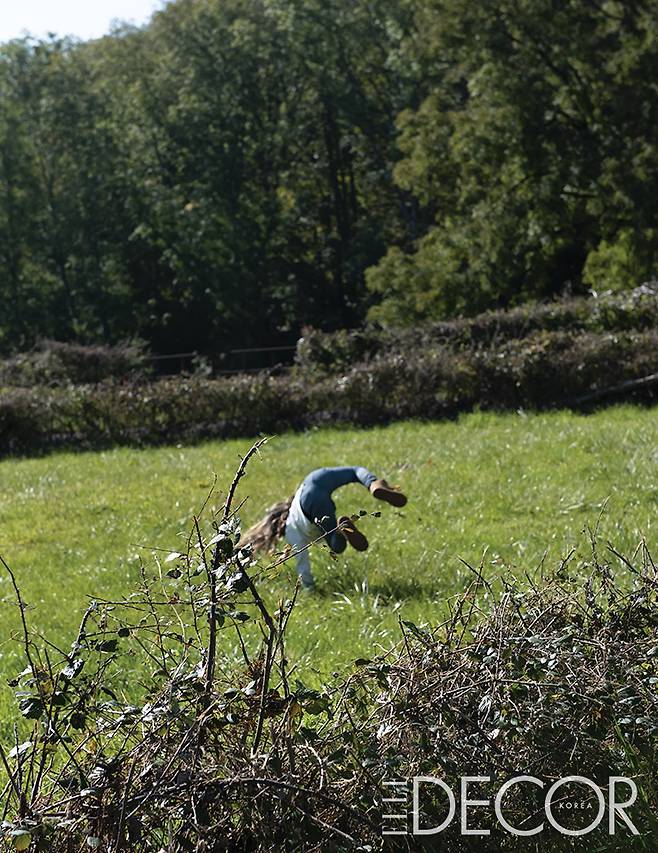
[(316, 502)]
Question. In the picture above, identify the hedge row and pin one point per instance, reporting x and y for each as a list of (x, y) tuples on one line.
[(326, 352), (52, 363), (55, 363), (545, 369)]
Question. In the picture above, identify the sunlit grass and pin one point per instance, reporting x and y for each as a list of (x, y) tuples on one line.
[(510, 490)]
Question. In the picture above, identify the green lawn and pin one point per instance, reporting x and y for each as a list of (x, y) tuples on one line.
[(499, 489)]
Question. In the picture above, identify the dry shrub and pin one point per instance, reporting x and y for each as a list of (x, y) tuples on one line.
[(548, 680), (174, 723)]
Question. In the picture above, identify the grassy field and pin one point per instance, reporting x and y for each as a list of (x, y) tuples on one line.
[(508, 491)]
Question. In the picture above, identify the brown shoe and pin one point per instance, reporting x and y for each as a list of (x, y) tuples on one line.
[(356, 539), (383, 492)]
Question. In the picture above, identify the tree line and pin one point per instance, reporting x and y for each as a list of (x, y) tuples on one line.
[(240, 168)]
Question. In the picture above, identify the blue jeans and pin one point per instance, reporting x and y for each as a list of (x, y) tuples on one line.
[(316, 502)]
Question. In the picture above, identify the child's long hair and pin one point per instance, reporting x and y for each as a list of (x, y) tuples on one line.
[(264, 535)]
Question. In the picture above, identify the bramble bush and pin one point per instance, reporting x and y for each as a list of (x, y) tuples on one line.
[(211, 749)]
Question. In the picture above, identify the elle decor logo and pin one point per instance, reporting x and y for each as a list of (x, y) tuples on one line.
[(402, 812)]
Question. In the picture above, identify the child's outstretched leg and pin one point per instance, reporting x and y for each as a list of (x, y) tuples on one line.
[(352, 534), (381, 490), (300, 533), (302, 558)]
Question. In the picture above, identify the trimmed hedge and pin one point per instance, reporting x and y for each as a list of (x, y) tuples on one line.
[(325, 352), (56, 363), (545, 369)]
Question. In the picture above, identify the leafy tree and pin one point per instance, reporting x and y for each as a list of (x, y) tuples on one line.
[(223, 175), (535, 152), (240, 168)]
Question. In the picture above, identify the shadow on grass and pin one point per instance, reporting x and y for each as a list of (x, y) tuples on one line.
[(346, 578)]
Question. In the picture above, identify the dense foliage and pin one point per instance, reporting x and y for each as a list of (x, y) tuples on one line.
[(221, 175), (240, 168), (534, 151)]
